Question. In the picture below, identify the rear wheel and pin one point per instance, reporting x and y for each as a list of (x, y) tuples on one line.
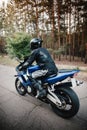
[(19, 87), (70, 102)]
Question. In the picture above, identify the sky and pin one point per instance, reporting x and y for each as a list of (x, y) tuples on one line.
[(5, 1)]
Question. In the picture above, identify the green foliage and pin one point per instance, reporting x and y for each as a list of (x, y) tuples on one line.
[(18, 45)]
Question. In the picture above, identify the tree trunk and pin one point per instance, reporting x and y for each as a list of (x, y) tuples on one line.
[(69, 37), (58, 17)]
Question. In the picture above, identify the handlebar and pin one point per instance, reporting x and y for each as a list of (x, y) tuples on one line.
[(20, 65)]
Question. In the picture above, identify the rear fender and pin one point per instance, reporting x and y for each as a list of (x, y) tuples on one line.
[(71, 83), (64, 84)]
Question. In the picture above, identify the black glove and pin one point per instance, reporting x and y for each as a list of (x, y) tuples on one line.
[(24, 66), (20, 68)]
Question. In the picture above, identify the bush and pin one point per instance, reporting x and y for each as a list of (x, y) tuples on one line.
[(18, 45), (2, 45)]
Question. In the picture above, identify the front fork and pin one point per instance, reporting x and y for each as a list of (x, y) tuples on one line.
[(24, 80)]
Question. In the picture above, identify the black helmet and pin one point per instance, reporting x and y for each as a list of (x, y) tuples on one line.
[(35, 43)]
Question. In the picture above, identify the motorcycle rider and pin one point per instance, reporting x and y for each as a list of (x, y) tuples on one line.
[(44, 60)]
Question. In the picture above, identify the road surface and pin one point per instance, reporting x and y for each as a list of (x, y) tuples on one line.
[(27, 113)]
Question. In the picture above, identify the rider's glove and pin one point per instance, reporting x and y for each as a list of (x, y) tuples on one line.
[(24, 66), (20, 68)]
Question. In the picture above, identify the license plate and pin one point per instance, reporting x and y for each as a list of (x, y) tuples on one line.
[(73, 81)]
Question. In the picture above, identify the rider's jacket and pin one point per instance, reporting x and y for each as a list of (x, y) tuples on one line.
[(43, 59)]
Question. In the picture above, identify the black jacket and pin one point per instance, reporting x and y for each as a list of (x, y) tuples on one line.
[(43, 59)]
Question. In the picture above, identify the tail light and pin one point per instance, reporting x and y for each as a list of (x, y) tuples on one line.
[(75, 74)]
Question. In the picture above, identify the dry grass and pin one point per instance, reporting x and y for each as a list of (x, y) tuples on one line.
[(6, 60)]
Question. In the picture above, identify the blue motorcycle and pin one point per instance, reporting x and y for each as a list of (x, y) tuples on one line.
[(62, 98)]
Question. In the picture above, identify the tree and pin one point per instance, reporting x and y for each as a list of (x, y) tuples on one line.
[(18, 45), (58, 22)]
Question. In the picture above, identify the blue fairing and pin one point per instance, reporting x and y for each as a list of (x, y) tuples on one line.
[(61, 76), (33, 68)]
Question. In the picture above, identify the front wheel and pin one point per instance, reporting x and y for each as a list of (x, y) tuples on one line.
[(69, 100), (19, 87)]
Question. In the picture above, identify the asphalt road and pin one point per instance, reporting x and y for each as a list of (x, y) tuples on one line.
[(27, 113)]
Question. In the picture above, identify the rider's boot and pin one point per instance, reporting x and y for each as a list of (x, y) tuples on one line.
[(42, 92), (38, 86)]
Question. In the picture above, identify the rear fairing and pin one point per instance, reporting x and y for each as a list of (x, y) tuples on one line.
[(61, 76)]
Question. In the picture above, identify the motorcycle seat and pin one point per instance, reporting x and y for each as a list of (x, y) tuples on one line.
[(53, 75), (65, 70)]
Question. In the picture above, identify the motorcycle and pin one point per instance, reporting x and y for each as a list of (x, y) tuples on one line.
[(62, 98)]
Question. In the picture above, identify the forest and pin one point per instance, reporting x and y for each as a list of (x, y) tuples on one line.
[(62, 24)]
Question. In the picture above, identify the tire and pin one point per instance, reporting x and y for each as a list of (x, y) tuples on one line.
[(19, 87), (70, 102)]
